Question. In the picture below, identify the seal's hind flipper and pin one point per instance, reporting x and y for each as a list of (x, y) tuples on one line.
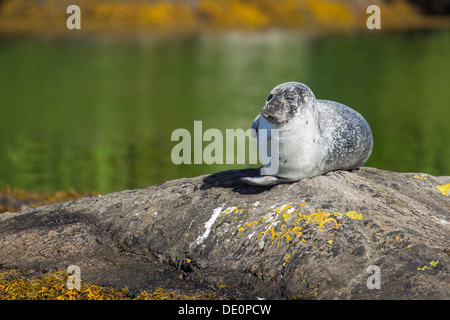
[(265, 181)]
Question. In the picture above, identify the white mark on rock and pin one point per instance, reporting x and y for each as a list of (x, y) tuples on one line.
[(441, 221), (229, 210), (208, 226), (190, 224), (256, 204), (261, 244), (290, 210)]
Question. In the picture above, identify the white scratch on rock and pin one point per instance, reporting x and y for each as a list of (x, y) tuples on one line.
[(191, 223), (229, 210), (441, 221), (208, 226), (290, 210)]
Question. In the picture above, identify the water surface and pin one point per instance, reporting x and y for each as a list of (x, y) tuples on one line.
[(98, 115)]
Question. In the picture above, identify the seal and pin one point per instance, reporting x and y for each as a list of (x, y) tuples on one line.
[(313, 136)]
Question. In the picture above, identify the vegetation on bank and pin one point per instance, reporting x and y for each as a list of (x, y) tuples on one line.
[(12, 199), (183, 17)]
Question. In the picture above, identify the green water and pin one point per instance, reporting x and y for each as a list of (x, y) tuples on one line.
[(97, 115)]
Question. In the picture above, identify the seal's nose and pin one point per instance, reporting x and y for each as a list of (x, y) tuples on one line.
[(273, 110), (266, 112)]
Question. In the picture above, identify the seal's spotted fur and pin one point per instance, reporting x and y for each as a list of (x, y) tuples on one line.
[(314, 136)]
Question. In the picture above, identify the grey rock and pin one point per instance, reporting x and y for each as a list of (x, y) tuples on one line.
[(313, 239)]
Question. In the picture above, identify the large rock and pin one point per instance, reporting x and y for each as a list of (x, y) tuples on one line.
[(316, 238)]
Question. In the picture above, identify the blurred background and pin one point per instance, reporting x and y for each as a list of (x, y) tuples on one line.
[(93, 110)]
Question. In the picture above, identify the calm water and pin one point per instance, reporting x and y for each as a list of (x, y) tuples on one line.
[(98, 115)]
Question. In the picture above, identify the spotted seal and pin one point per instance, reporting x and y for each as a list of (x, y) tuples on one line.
[(313, 136)]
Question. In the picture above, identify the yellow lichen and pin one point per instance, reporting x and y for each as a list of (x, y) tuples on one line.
[(296, 230), (286, 260), (261, 233), (289, 229), (425, 267), (319, 217), (354, 215), (434, 263), (252, 223), (444, 188)]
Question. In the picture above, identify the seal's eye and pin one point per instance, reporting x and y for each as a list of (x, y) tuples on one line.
[(269, 97)]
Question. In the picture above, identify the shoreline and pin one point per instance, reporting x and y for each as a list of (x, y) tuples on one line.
[(179, 18)]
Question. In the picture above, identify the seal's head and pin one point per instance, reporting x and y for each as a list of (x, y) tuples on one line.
[(286, 101)]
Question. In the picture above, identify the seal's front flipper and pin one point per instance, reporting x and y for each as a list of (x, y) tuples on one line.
[(265, 181)]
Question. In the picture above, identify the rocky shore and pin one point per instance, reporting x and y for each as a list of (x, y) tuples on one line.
[(364, 234)]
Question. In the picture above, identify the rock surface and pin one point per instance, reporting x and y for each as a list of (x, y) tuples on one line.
[(314, 239)]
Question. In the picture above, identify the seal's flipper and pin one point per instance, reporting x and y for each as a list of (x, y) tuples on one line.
[(255, 125), (265, 181)]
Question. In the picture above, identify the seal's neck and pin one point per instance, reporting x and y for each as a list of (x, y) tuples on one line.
[(301, 124)]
